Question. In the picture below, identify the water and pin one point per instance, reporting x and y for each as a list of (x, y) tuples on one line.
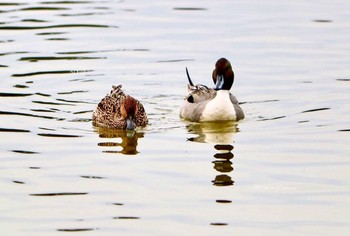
[(284, 170)]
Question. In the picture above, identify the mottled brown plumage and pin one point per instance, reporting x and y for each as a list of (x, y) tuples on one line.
[(119, 110)]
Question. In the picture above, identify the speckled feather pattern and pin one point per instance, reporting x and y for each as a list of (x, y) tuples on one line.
[(108, 112)]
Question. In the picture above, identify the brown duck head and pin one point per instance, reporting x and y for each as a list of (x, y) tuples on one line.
[(223, 75), (128, 111)]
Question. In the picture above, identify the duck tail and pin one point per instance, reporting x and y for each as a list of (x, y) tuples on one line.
[(188, 77)]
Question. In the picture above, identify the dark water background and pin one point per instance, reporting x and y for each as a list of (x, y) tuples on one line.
[(284, 170)]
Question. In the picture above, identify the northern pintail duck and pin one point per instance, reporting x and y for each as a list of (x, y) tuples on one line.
[(119, 110), (207, 104)]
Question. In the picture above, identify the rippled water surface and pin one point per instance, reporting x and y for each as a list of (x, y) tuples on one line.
[(284, 170)]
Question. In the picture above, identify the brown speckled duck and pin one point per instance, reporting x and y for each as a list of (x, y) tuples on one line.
[(120, 111)]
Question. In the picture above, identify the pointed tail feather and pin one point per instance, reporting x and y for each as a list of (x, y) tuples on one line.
[(189, 79)]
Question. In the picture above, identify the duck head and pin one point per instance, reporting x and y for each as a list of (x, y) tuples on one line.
[(223, 75), (128, 111)]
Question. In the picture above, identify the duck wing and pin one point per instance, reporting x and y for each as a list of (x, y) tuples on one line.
[(233, 99), (140, 115), (195, 102), (238, 109), (199, 93)]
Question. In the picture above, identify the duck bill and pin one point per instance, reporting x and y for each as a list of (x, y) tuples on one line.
[(219, 82), (130, 123)]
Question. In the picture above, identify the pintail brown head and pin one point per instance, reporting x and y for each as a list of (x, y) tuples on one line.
[(223, 75)]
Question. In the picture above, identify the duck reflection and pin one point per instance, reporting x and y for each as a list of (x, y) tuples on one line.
[(223, 164), (222, 135), (128, 141), (209, 132)]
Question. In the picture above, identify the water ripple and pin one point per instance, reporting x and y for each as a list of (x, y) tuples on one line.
[(57, 194), (14, 130), (66, 2), (73, 101), (11, 4), (42, 110), (7, 41), (175, 60), (35, 59), (15, 94), (82, 112), (34, 20), (71, 92), (43, 9), (117, 204), (11, 53), (112, 50), (20, 86), (57, 26), (92, 177), (50, 72), (218, 224), (322, 21), (86, 14), (77, 229), (24, 152), (59, 135), (189, 9), (273, 118), (52, 103), (26, 114), (126, 218), (223, 201), (51, 33), (317, 109)]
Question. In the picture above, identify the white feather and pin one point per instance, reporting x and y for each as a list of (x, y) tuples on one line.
[(220, 108)]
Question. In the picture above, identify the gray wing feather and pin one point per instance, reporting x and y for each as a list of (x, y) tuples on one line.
[(238, 109)]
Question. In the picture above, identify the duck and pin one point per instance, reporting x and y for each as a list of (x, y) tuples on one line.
[(119, 111), (204, 104)]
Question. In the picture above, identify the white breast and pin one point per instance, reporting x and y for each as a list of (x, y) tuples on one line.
[(220, 108)]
